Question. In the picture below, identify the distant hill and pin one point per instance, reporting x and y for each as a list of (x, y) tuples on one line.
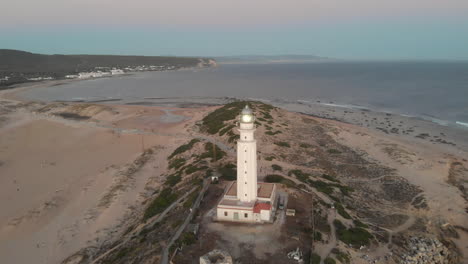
[(270, 59), (17, 66)]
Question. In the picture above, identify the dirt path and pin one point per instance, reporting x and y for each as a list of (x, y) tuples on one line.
[(196, 204), (149, 222)]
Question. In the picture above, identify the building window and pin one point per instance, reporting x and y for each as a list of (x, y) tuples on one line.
[(245, 172), (245, 137), (246, 150), (245, 182), (225, 213), (246, 215), (245, 161), (245, 194)]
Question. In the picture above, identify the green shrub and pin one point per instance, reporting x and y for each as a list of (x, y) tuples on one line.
[(270, 158), (165, 198), (190, 199), (305, 145), (339, 207), (342, 257), (334, 151), (276, 167), (228, 172), (274, 178), (226, 129), (282, 144), (212, 151), (176, 163), (302, 176), (183, 148), (329, 260), (358, 223), (330, 178), (173, 179), (214, 121), (273, 133), (315, 259), (355, 236)]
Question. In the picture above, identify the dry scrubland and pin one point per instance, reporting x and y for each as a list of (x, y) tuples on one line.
[(86, 183)]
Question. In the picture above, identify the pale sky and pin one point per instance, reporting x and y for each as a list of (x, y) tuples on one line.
[(367, 29)]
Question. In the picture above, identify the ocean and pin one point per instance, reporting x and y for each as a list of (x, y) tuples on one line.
[(437, 91)]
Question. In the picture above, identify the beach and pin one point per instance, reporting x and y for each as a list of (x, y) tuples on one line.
[(72, 173)]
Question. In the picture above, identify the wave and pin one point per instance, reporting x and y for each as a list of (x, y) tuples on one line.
[(462, 123)]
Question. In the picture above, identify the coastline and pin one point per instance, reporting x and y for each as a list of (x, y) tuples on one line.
[(65, 216)]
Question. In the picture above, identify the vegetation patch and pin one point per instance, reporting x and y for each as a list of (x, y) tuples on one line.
[(305, 145), (334, 151), (269, 158), (165, 198), (271, 133), (176, 163), (329, 260), (355, 236), (276, 167), (184, 148), (228, 172), (72, 116), (339, 207), (275, 178), (315, 259), (226, 129), (214, 121), (282, 144), (302, 176), (173, 179), (212, 151), (330, 178)]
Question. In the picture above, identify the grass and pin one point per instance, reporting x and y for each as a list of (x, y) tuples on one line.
[(315, 259), (72, 116), (276, 167), (358, 223), (341, 256), (228, 172), (273, 133), (214, 121), (321, 186), (176, 163), (165, 198), (212, 151), (302, 176), (334, 151), (275, 178), (330, 178), (282, 144), (173, 179), (184, 148), (339, 207), (355, 236), (226, 130), (190, 199)]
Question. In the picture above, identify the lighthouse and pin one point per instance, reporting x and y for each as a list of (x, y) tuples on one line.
[(246, 199), (246, 158)]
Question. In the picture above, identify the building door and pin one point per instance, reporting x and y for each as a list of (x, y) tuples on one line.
[(236, 216)]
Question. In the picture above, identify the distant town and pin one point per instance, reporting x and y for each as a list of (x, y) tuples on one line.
[(18, 67)]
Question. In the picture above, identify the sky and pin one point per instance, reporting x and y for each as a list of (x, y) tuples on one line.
[(357, 29)]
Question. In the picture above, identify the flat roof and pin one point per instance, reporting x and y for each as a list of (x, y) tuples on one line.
[(264, 189)]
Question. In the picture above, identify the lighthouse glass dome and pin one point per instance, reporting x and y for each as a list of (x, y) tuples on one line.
[(247, 115)]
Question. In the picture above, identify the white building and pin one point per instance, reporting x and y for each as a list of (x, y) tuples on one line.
[(247, 200)]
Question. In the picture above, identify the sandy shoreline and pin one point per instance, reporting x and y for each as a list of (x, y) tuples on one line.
[(65, 185)]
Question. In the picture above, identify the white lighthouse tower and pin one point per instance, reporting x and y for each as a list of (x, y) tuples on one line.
[(247, 158), (247, 200)]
